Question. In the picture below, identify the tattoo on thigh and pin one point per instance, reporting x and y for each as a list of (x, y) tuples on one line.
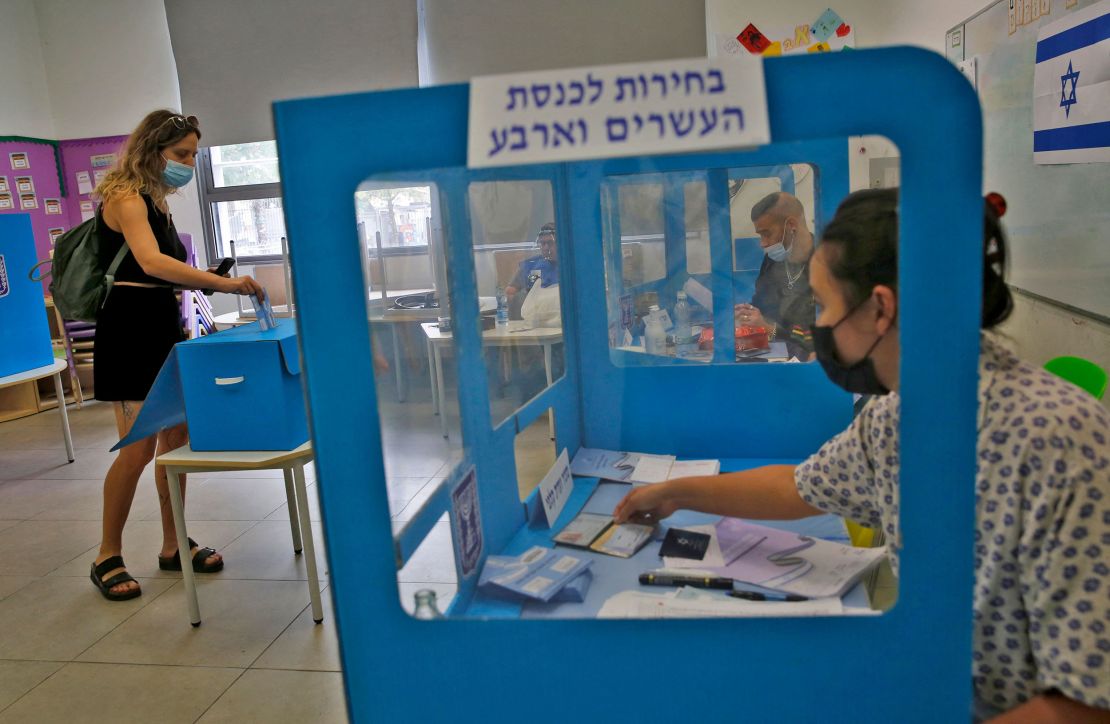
[(128, 410)]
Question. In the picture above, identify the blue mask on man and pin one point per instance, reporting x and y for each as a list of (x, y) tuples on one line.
[(176, 174)]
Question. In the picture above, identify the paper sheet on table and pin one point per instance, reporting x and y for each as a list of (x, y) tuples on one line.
[(777, 559), (651, 469), (789, 562), (693, 468), (618, 466), (635, 604)]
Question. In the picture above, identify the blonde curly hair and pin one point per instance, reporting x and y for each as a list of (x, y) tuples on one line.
[(139, 168)]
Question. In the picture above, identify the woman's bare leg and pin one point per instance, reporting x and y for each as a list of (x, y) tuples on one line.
[(119, 489), (168, 440)]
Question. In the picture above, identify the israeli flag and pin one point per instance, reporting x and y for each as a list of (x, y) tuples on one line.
[(1071, 88)]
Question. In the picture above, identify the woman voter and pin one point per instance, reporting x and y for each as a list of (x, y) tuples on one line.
[(1041, 616), (140, 323)]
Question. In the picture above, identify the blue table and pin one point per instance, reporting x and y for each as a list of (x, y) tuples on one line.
[(612, 575)]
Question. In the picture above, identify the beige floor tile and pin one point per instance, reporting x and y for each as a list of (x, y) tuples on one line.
[(19, 677), (433, 561), (52, 464), (24, 499), (35, 437), (113, 692), (240, 619), (403, 490), (418, 500), (282, 513), (142, 539), (92, 412), (36, 547), (305, 645), (214, 498), (265, 552), (281, 696), (5, 524), (55, 619), (412, 462), (84, 499), (11, 584)]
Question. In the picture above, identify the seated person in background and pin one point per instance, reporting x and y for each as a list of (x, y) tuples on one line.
[(533, 293), (783, 301)]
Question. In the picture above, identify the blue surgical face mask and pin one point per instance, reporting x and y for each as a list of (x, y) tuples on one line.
[(176, 174), (778, 251)]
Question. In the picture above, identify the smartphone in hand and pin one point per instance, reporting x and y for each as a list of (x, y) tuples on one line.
[(222, 269)]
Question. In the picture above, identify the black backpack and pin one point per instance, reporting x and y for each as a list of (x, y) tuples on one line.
[(78, 281)]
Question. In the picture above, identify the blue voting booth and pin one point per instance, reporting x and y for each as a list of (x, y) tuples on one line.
[(474, 666), (24, 332)]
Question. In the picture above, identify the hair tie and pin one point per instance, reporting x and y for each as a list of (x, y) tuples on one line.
[(997, 203)]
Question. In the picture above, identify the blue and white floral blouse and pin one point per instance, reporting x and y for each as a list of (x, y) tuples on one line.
[(1042, 546)]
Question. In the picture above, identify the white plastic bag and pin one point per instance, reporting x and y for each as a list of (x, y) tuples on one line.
[(541, 307)]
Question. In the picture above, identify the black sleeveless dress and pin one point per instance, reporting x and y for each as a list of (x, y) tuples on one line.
[(138, 326)]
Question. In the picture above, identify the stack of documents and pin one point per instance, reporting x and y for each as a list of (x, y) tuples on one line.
[(539, 574), (637, 468), (778, 559), (693, 603)]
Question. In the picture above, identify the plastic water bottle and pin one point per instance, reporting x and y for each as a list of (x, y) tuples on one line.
[(681, 317), (655, 337), (426, 608), (502, 307)]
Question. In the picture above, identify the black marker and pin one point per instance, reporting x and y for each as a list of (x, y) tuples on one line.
[(753, 596), (664, 579)]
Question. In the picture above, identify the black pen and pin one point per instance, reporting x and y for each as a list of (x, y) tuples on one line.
[(665, 579), (753, 596)]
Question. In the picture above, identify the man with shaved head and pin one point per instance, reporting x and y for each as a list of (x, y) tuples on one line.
[(783, 301)]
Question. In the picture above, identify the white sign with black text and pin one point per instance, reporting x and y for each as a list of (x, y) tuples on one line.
[(632, 109), (555, 488)]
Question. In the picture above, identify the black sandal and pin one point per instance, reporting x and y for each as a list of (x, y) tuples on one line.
[(108, 564), (200, 558)]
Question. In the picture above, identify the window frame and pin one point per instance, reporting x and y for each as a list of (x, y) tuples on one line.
[(210, 195)]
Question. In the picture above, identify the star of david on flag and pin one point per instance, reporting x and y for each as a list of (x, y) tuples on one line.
[(1071, 88)]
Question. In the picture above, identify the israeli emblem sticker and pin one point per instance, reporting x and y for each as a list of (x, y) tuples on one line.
[(467, 521), (5, 287)]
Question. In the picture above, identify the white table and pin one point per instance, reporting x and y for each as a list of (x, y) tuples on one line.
[(515, 334), (290, 462), (56, 369)]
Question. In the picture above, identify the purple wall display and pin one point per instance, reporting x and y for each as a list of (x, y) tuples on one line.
[(36, 160), (83, 160)]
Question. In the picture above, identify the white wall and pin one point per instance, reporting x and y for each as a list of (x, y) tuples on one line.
[(108, 63), (465, 39), (894, 22), (24, 98), (1041, 330)]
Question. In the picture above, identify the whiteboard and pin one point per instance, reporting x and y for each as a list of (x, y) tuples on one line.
[(1058, 219)]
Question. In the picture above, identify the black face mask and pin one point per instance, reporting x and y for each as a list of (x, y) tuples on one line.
[(859, 377)]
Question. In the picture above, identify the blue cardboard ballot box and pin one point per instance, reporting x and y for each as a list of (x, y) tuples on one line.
[(239, 390), (242, 389), (24, 330)]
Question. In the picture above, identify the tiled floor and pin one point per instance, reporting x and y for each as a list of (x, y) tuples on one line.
[(68, 655)]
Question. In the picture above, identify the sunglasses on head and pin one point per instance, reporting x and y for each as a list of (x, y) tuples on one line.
[(183, 123)]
